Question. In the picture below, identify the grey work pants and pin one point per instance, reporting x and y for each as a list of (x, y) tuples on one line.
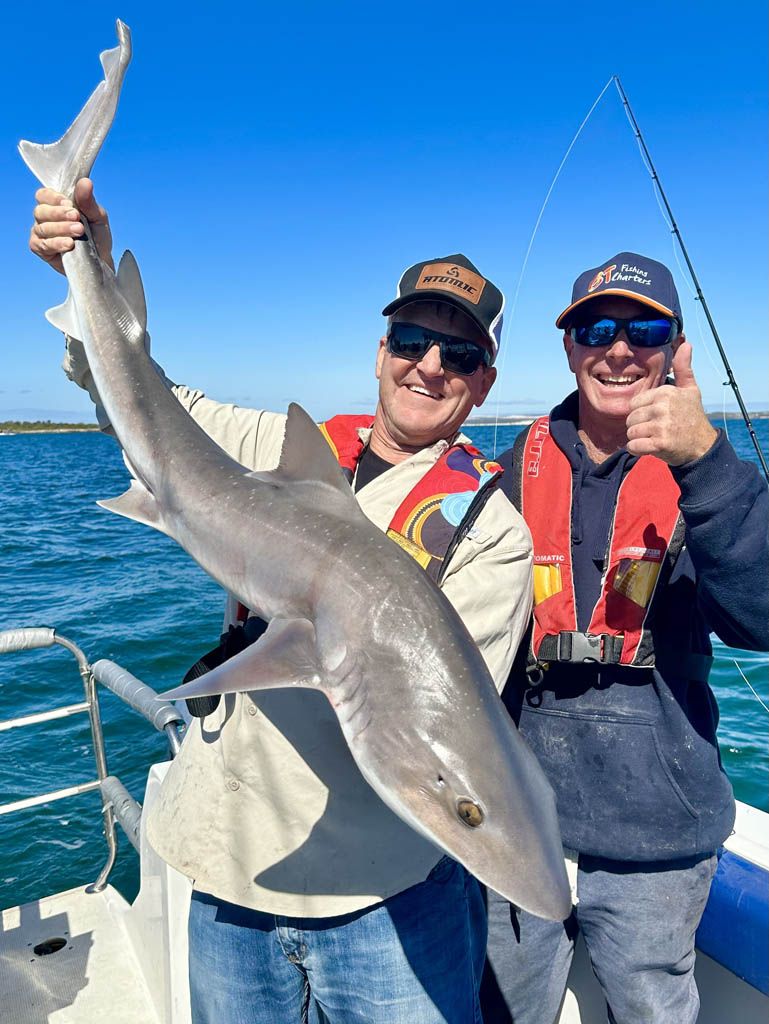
[(638, 921)]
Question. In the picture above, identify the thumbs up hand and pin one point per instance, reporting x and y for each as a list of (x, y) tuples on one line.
[(669, 421)]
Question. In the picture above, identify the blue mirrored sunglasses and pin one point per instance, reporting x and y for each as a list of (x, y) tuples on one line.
[(458, 355), (603, 330)]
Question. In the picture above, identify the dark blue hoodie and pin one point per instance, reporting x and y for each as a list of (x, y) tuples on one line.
[(632, 753)]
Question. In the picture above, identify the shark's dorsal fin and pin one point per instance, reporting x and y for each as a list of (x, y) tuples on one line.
[(285, 655), (129, 283), (138, 504), (307, 456)]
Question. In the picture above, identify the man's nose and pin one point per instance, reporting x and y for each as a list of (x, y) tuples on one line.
[(430, 363), (620, 348)]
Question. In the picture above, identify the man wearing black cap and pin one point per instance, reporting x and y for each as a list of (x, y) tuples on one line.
[(649, 533), (306, 884)]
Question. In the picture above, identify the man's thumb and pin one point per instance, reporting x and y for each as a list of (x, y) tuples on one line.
[(682, 366)]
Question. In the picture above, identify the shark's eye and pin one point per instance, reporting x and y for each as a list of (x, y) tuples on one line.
[(470, 813)]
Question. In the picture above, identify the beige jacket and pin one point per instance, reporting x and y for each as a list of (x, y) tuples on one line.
[(264, 806)]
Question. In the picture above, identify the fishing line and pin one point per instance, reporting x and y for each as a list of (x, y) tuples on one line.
[(682, 276), (509, 322), (731, 380), (750, 687)]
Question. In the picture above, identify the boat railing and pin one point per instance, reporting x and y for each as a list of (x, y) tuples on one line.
[(117, 803)]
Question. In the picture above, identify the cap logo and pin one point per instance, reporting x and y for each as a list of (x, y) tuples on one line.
[(448, 277), (602, 277)]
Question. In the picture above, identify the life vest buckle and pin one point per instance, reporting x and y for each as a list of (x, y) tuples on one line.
[(602, 648)]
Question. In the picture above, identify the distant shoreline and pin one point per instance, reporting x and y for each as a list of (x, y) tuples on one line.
[(520, 419), (45, 427)]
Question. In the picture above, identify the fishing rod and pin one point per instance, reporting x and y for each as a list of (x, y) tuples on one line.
[(731, 380)]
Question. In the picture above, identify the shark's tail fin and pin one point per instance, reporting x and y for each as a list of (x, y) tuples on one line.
[(58, 165)]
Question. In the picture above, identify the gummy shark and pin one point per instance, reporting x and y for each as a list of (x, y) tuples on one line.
[(411, 691)]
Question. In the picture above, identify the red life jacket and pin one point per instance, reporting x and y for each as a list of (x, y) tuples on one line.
[(441, 508), (646, 534)]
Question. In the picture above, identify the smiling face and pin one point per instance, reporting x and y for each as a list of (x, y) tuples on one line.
[(420, 402), (610, 376)]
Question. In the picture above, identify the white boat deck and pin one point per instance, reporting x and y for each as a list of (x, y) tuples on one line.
[(122, 963), (127, 963), (93, 977)]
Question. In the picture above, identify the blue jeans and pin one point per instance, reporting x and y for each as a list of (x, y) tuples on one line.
[(638, 921), (416, 958)]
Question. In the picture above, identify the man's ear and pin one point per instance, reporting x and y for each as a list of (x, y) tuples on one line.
[(489, 376), (380, 355), (568, 347)]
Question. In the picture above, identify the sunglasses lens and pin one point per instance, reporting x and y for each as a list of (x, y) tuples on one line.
[(408, 341), (462, 356), (596, 332), (650, 333)]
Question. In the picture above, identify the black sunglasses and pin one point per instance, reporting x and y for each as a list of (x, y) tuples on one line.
[(602, 330), (410, 341)]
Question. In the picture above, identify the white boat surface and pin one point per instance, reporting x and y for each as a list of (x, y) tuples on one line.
[(87, 955)]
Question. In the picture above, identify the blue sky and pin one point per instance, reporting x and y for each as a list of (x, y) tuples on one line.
[(274, 168)]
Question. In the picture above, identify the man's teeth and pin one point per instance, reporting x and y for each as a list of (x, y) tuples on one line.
[(620, 381), (422, 391)]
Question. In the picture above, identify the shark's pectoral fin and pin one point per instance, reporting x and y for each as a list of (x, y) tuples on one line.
[(136, 503), (65, 317), (284, 656)]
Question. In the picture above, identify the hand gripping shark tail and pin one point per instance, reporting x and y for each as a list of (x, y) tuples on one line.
[(59, 165)]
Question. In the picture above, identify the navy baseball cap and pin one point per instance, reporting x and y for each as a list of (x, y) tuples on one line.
[(454, 279), (632, 276)]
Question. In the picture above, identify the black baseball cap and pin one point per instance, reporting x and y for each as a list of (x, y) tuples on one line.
[(454, 279), (632, 276)]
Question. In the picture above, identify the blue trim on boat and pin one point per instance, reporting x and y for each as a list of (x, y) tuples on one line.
[(734, 929)]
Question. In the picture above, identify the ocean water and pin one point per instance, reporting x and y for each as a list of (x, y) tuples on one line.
[(124, 592)]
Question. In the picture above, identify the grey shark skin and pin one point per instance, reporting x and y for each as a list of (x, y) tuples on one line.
[(350, 613)]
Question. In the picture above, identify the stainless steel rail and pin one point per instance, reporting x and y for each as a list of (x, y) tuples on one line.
[(127, 811), (117, 802)]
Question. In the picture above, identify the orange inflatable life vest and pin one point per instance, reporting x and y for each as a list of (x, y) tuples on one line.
[(645, 535)]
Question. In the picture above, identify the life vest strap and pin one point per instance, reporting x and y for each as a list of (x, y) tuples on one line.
[(583, 648), (573, 646)]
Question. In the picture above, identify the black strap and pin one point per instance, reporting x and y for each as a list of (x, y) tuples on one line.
[(235, 640), (603, 649), (480, 498), (576, 647)]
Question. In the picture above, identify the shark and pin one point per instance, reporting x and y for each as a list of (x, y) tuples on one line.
[(350, 614)]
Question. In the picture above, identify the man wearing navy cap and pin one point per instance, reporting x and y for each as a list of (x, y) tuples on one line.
[(649, 533)]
